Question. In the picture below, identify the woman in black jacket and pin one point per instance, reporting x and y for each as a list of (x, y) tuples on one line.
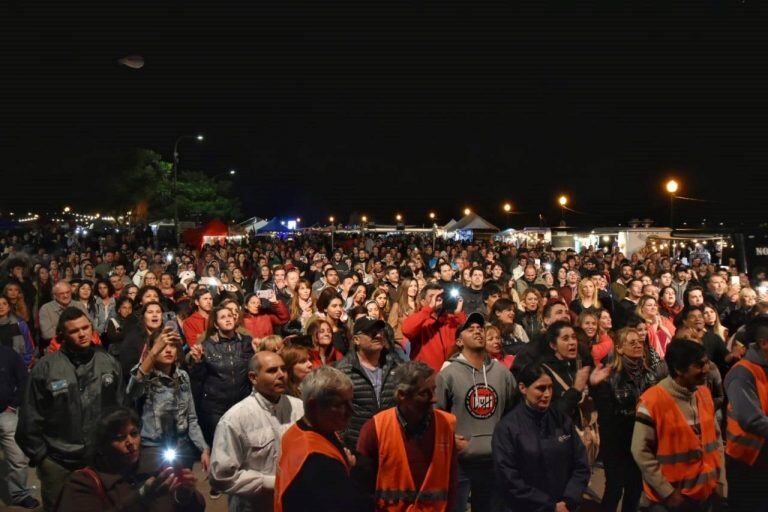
[(539, 460), (136, 339), (113, 337), (219, 366), (616, 399)]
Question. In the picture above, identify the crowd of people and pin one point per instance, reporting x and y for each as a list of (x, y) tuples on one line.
[(388, 373)]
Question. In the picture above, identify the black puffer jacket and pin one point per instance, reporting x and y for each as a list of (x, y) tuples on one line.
[(222, 375), (364, 403)]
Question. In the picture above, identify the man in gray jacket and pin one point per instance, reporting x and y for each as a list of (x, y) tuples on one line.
[(65, 396), (247, 439), (478, 391)]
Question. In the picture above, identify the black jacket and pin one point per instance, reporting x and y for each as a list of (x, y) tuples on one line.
[(223, 373), (364, 403), (13, 378), (62, 404), (539, 460), (473, 301)]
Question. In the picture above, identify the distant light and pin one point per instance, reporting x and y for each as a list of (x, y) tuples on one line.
[(298, 219), (672, 186), (282, 222), (331, 219), (562, 200), (432, 215), (467, 211), (507, 207), (232, 172), (200, 138), (364, 218), (606, 238), (398, 217), (129, 212), (98, 215)]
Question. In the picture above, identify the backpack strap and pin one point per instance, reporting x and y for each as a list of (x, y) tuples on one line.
[(557, 377)]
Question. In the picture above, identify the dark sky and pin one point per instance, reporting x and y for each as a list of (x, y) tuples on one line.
[(331, 107)]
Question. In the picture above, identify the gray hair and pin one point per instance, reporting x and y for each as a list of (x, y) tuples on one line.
[(408, 375), (323, 383)]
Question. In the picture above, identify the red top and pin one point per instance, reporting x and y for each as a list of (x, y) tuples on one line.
[(194, 328), (432, 339), (263, 324)]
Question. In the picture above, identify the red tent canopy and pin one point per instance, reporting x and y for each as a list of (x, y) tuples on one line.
[(194, 237)]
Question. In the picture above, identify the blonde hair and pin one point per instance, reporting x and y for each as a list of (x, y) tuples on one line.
[(580, 292), (271, 343)]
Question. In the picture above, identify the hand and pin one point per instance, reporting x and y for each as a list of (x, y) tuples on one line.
[(459, 306), (159, 485), (461, 442), (433, 300), (560, 507), (196, 352), (350, 457), (167, 337), (205, 460), (599, 375), (582, 376), (738, 350), (675, 500), (272, 297)]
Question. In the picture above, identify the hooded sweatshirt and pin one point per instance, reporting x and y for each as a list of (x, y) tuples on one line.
[(742, 395), (478, 399)]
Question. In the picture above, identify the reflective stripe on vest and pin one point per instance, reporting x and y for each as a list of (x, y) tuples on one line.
[(295, 447), (691, 464), (395, 489), (740, 444)]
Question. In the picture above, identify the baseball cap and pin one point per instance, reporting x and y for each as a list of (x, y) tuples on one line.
[(367, 325), (473, 318)]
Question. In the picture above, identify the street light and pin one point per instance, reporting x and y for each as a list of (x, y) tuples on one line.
[(432, 216), (67, 209), (199, 138), (364, 219), (230, 172), (562, 200), (467, 211), (507, 207), (672, 187), (398, 217)]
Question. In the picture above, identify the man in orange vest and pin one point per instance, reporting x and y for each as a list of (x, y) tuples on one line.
[(410, 448), (313, 471), (676, 442), (746, 458)]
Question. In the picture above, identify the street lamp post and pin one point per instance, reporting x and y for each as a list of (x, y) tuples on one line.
[(672, 187), (333, 228), (199, 138)]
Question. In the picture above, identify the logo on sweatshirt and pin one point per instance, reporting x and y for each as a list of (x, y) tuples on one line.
[(481, 401)]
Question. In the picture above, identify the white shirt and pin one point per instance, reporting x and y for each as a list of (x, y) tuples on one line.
[(246, 447)]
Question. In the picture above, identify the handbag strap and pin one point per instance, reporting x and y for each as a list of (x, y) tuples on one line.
[(98, 484), (557, 377)]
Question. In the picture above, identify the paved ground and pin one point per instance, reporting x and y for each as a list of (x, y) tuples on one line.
[(220, 505)]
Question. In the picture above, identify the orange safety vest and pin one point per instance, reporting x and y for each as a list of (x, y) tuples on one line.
[(740, 444), (296, 446), (691, 464), (395, 490)]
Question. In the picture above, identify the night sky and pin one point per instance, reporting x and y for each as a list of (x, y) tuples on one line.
[(336, 107)]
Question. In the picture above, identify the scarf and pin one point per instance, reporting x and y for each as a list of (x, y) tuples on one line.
[(634, 369)]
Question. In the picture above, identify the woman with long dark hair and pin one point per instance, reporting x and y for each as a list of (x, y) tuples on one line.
[(162, 393), (513, 335), (136, 340)]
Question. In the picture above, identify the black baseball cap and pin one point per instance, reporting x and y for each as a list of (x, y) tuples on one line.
[(367, 325), (473, 318)]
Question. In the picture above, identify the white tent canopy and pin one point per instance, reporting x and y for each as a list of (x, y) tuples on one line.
[(450, 224), (472, 222)]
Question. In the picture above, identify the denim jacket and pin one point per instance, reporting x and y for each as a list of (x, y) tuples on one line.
[(167, 407), (102, 314)]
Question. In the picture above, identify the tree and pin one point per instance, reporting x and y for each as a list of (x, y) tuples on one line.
[(200, 198)]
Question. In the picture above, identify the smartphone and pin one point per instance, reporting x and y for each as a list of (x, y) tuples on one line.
[(169, 321), (264, 294)]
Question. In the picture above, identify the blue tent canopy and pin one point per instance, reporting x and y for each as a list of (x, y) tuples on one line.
[(273, 226)]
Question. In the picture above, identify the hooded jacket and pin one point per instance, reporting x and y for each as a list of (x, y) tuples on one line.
[(432, 339), (743, 398), (478, 399)]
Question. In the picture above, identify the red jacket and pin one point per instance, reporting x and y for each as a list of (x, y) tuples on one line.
[(263, 324), (432, 339), (194, 327)]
